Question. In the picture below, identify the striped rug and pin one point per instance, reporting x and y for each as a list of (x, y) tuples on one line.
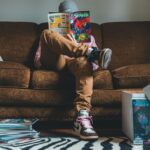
[(66, 142)]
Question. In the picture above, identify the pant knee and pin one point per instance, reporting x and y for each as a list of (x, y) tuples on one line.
[(81, 66)]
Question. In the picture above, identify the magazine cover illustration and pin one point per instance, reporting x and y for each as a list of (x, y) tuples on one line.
[(141, 119), (80, 26), (59, 22)]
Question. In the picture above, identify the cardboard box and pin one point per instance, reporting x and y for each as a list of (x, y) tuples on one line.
[(135, 116)]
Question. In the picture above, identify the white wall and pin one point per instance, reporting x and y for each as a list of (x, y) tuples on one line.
[(101, 10)]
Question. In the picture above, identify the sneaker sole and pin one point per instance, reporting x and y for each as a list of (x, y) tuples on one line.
[(85, 137), (106, 58)]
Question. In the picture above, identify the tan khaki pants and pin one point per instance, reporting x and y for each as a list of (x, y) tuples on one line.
[(54, 47)]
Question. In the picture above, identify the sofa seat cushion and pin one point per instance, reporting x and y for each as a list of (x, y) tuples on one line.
[(14, 75), (57, 113), (132, 76), (42, 79), (36, 98)]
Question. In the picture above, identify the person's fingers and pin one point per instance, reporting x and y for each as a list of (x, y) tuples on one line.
[(83, 46), (82, 50), (73, 37), (69, 37)]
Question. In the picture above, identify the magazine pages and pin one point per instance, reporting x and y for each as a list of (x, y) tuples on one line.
[(59, 22), (12, 129), (80, 26), (147, 91)]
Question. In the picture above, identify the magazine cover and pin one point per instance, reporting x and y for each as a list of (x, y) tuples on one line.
[(15, 126), (5, 132), (59, 22), (12, 137), (18, 124), (80, 26), (19, 121), (141, 119)]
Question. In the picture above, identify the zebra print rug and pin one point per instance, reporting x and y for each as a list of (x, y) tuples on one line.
[(72, 143)]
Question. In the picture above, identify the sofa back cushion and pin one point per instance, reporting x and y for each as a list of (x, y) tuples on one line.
[(17, 41), (129, 41), (95, 28)]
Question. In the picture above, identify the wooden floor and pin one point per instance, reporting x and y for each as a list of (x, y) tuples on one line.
[(60, 128), (70, 132)]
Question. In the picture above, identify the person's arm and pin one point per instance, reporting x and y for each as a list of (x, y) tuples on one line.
[(92, 43), (37, 62)]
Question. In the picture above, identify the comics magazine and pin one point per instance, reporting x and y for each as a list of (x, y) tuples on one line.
[(78, 23)]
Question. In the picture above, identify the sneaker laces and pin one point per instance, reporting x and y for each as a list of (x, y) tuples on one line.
[(86, 121)]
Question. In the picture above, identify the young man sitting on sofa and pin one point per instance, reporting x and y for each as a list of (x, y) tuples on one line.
[(81, 59)]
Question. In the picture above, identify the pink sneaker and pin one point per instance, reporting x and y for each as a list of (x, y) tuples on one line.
[(83, 126)]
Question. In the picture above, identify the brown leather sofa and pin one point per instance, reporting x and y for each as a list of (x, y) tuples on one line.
[(48, 95)]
